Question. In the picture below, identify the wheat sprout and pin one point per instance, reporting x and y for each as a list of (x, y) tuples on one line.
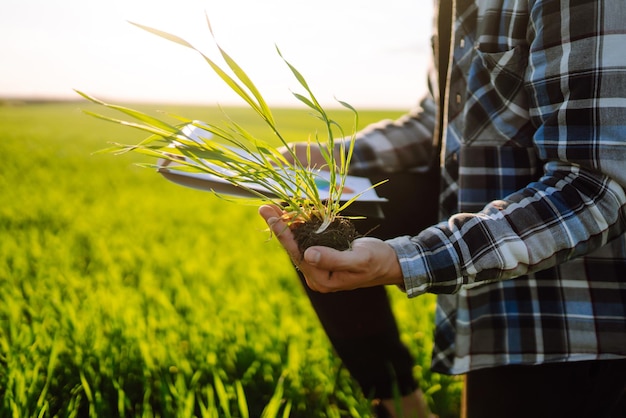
[(291, 185)]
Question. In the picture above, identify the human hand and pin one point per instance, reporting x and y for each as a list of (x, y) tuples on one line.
[(370, 261), (302, 149)]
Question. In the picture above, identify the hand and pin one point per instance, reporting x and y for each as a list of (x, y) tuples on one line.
[(300, 150), (370, 261)]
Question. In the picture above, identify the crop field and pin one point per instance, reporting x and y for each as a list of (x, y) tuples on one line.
[(125, 295)]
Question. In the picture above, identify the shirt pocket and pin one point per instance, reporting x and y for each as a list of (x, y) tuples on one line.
[(496, 109)]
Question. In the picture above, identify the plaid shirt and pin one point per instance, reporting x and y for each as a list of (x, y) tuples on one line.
[(529, 262)]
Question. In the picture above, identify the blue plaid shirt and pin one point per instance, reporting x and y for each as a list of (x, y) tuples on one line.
[(529, 261)]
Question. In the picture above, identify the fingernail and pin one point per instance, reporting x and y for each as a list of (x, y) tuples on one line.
[(312, 256), (271, 221)]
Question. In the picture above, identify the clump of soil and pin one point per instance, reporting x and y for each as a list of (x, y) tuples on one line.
[(339, 234)]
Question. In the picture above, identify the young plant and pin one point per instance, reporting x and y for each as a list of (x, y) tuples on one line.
[(244, 160)]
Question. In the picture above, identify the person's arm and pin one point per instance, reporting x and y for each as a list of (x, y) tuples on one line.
[(578, 105), (398, 145), (576, 82), (387, 146)]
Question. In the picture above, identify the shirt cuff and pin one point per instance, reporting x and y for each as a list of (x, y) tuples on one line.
[(416, 277)]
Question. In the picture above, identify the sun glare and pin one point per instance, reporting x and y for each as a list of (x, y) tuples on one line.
[(362, 51)]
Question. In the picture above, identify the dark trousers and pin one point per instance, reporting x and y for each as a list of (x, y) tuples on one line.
[(360, 323), (569, 390), (363, 332)]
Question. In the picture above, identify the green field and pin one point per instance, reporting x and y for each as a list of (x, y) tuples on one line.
[(125, 295)]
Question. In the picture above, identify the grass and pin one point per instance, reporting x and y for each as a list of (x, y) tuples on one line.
[(122, 294)]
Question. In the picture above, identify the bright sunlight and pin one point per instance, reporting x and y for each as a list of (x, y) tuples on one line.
[(368, 53)]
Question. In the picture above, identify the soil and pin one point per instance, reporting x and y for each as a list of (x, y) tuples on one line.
[(339, 234)]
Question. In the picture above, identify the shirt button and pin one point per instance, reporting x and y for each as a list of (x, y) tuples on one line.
[(458, 98), (462, 43)]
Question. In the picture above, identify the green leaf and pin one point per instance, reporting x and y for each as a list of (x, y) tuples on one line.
[(161, 134), (140, 116), (243, 77), (305, 100), (222, 396), (292, 184), (241, 400), (164, 35), (295, 72)]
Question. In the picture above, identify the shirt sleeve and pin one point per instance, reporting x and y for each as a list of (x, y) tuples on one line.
[(397, 145), (576, 84)]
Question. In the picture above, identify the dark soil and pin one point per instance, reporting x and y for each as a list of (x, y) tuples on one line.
[(339, 234)]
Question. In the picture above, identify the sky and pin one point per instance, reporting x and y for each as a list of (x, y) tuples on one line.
[(371, 54)]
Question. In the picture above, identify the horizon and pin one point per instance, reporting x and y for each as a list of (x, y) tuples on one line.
[(51, 49)]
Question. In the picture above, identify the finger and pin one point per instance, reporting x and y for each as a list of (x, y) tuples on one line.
[(284, 235), (311, 284), (326, 258), (272, 215), (270, 211), (325, 281)]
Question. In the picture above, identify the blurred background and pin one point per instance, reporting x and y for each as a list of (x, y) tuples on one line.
[(122, 294)]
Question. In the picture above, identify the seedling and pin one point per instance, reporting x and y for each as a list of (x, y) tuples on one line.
[(243, 159)]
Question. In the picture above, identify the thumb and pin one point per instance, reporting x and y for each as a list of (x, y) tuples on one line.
[(330, 259)]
